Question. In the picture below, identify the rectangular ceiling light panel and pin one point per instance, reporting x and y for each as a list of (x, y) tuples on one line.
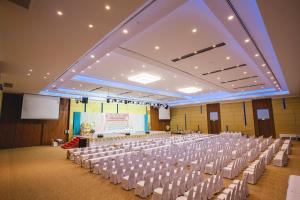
[(190, 90), (144, 78)]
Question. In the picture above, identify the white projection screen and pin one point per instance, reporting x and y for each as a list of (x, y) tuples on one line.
[(163, 113), (40, 107)]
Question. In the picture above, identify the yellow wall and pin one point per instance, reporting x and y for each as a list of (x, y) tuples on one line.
[(194, 117), (287, 120), (232, 115), (95, 106)]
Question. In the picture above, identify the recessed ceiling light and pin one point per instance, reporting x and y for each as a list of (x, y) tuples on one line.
[(255, 81), (91, 26), (132, 71), (195, 52), (256, 55), (114, 78), (213, 46), (28, 74), (268, 72), (82, 71), (218, 78), (189, 90), (125, 31), (30, 70), (97, 61), (227, 58), (194, 30), (61, 80), (89, 67), (143, 66), (73, 70), (247, 40), (272, 78), (156, 47), (45, 77), (175, 76), (230, 17), (196, 67), (48, 73), (144, 78), (92, 56), (107, 54), (244, 72), (122, 74), (275, 82), (232, 85), (60, 13), (167, 89), (107, 7), (263, 65)]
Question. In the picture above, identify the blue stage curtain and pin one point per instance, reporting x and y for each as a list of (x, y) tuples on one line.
[(76, 123), (146, 127)]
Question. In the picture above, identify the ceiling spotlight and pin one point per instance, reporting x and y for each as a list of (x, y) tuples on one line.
[(97, 61), (218, 78), (48, 73), (107, 54), (275, 82), (156, 47), (28, 74), (114, 78), (244, 72), (92, 56), (232, 85), (91, 26), (272, 78), (122, 74), (227, 58), (255, 81), (132, 71), (175, 76), (230, 17), (214, 46), (196, 67), (82, 71), (256, 55), (89, 67), (263, 65), (61, 80), (268, 72), (107, 7), (125, 31), (30, 70), (194, 30), (247, 40), (143, 66), (45, 77), (60, 13), (73, 70)]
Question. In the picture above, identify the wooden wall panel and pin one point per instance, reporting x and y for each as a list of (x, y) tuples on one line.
[(213, 126), (22, 133), (196, 117), (155, 123), (287, 120), (263, 127), (233, 117)]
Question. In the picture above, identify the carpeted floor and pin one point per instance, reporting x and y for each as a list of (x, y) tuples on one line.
[(44, 173)]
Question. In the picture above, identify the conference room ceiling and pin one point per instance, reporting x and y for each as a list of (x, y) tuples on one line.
[(186, 44)]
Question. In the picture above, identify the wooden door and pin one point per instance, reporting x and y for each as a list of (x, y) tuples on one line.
[(213, 118), (264, 126)]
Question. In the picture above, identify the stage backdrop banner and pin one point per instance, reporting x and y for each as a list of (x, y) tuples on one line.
[(110, 123), (116, 121)]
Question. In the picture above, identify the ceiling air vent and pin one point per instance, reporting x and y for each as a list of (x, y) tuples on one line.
[(8, 85), (23, 3)]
